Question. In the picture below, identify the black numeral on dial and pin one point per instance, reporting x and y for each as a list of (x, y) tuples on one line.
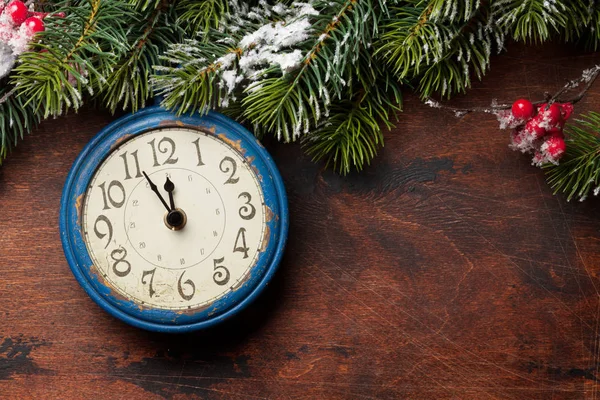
[(187, 283), (243, 248), (164, 146), (228, 164), (247, 211), (150, 287), (197, 143), (118, 255), (221, 275), (138, 173), (107, 194), (100, 235)]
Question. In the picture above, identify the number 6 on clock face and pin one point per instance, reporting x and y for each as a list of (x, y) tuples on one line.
[(143, 255)]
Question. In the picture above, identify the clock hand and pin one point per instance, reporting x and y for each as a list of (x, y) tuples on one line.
[(155, 190), (169, 187), (176, 217)]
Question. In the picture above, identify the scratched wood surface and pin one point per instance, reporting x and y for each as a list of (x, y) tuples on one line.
[(445, 270)]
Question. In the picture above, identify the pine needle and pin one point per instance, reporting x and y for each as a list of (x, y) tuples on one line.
[(578, 173)]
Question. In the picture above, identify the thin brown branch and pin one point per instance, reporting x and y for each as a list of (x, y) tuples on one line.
[(7, 95), (587, 77), (164, 5)]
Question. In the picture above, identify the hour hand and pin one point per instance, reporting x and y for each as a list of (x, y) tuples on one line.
[(169, 187), (155, 190)]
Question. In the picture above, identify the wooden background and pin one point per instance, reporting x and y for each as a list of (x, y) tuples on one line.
[(445, 270)]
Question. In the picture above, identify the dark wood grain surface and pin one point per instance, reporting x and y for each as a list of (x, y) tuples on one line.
[(445, 270)]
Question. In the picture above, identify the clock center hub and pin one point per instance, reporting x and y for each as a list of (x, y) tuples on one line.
[(175, 219)]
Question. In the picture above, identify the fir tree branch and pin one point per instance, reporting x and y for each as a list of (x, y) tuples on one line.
[(287, 104), (579, 171), (284, 100), (589, 33), (129, 83), (349, 139), (588, 77), (144, 5), (91, 38), (453, 10), (201, 16), (6, 96), (330, 84), (351, 136), (192, 84), (532, 20), (430, 43), (16, 119)]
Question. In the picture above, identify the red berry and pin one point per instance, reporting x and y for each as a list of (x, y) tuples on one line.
[(534, 128), (17, 12), (566, 110), (550, 116), (555, 147), (522, 109), (554, 113), (35, 24)]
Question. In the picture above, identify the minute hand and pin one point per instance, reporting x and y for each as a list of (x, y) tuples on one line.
[(155, 190)]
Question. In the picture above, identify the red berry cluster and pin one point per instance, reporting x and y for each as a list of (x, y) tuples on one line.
[(17, 14), (538, 131), (18, 26)]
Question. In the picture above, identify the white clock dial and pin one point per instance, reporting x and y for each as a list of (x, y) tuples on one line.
[(178, 258)]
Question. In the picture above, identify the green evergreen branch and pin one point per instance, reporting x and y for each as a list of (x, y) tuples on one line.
[(285, 102), (409, 40), (582, 84), (16, 119), (452, 10), (200, 16), (347, 65), (190, 77), (531, 20), (129, 83), (584, 24), (578, 173), (351, 136), (91, 37), (349, 139), (448, 52), (76, 53), (192, 83), (144, 5), (290, 104)]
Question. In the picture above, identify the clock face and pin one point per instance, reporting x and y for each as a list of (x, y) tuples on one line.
[(174, 219)]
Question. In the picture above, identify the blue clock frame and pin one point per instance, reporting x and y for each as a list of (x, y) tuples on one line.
[(125, 309)]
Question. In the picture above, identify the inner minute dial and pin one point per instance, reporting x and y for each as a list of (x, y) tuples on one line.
[(205, 213)]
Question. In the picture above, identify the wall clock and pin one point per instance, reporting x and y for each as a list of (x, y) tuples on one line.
[(173, 223)]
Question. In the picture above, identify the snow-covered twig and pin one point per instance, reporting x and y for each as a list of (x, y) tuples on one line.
[(6, 96), (588, 77)]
